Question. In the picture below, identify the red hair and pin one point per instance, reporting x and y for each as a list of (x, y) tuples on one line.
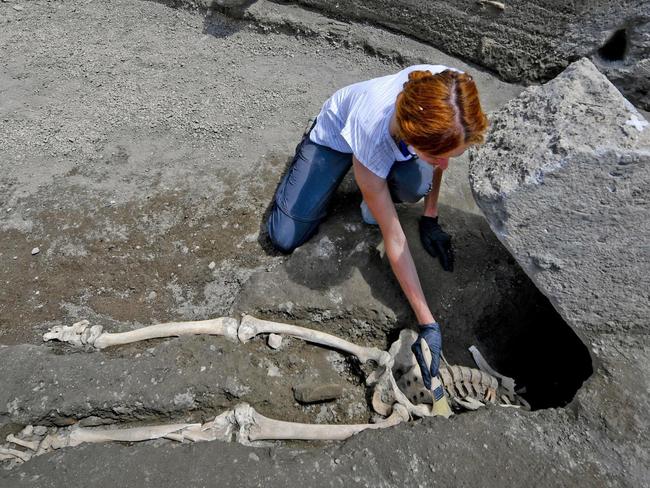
[(438, 113)]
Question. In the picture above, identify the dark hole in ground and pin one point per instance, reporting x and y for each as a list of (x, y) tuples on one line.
[(488, 301), (528, 340), (616, 46)]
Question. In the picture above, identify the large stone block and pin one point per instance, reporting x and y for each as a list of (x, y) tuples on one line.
[(563, 181)]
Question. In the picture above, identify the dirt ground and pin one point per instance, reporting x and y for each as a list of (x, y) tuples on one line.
[(140, 158), (137, 150), (141, 146)]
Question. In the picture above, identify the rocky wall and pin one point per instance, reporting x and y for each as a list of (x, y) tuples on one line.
[(522, 40)]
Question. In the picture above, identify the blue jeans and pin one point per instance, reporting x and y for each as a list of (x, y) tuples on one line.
[(304, 193)]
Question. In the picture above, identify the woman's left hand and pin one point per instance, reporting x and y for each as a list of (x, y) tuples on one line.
[(437, 242)]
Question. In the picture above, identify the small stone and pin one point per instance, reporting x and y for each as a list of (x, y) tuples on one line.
[(252, 237), (212, 265), (35, 251), (275, 341), (274, 371), (18, 8), (312, 393)]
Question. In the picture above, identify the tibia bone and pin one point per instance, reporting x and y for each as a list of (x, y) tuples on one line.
[(255, 426), (76, 436), (250, 327)]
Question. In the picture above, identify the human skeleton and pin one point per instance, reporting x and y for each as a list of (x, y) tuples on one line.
[(398, 391)]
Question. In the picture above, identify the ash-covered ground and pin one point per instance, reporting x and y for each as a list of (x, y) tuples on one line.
[(142, 143), (141, 146)]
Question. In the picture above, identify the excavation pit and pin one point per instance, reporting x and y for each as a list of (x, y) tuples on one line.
[(125, 254), (146, 201)]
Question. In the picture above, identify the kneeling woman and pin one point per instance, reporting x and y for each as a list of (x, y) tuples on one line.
[(398, 133)]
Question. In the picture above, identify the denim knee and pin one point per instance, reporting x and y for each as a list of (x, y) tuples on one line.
[(410, 181), (410, 194), (286, 233)]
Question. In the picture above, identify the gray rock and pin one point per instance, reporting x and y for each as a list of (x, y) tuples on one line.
[(234, 8), (312, 393), (274, 341), (563, 181), (176, 378), (528, 40), (41, 385)]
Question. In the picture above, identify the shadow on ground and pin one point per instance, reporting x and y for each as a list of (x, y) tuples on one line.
[(341, 281)]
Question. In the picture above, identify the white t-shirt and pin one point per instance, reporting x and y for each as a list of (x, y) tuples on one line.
[(356, 120)]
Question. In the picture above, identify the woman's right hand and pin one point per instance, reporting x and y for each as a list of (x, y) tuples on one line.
[(431, 336), (377, 196)]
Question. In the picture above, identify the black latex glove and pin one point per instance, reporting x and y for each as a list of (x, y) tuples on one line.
[(437, 242), (431, 335)]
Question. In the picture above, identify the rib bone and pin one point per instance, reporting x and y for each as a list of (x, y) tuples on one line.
[(83, 334), (250, 327), (507, 383)]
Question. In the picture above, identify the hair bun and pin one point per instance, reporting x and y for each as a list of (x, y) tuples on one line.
[(419, 75)]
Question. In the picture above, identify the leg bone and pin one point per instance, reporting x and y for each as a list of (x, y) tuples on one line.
[(81, 333), (31, 445), (77, 436), (14, 454), (255, 426), (250, 327)]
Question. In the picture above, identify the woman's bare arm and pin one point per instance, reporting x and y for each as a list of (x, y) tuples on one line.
[(431, 199), (377, 197)]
